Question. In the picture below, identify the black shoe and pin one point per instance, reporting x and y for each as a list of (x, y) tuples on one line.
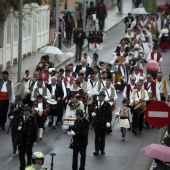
[(75, 61), (3, 128), (96, 153), (14, 152), (40, 138), (140, 133), (135, 133), (109, 131), (54, 127), (49, 124), (102, 152)]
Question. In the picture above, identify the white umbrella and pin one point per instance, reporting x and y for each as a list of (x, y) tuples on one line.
[(50, 50), (139, 11)]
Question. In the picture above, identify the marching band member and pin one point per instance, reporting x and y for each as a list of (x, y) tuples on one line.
[(92, 85), (102, 81), (95, 61), (68, 80), (40, 90), (137, 74), (125, 117), (39, 109), (119, 74), (102, 116), (163, 87), (138, 95), (16, 111), (129, 88), (96, 71), (7, 96), (56, 94), (153, 92), (83, 83), (45, 75), (155, 55)]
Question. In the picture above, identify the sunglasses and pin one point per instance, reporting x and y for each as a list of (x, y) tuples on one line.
[(148, 77)]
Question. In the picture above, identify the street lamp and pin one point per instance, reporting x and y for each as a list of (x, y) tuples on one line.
[(20, 41)]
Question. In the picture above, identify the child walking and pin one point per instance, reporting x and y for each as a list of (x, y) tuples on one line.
[(125, 117)]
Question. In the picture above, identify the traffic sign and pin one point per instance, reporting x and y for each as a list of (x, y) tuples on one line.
[(157, 114)]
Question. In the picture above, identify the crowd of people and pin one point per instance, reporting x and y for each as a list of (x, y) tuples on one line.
[(73, 94)]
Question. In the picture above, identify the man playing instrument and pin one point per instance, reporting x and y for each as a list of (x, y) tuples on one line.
[(163, 87), (138, 96), (102, 116)]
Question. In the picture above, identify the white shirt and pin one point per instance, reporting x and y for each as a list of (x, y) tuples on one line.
[(40, 108), (157, 90), (92, 87), (100, 103), (68, 82), (154, 56), (40, 90), (53, 89), (125, 90), (167, 87), (108, 94), (138, 96), (4, 89), (84, 68)]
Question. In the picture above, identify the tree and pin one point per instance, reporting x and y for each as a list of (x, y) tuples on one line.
[(6, 6)]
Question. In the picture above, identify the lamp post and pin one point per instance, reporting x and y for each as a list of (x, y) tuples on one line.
[(20, 41), (57, 21)]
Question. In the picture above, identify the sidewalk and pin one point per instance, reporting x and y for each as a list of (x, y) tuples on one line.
[(29, 63)]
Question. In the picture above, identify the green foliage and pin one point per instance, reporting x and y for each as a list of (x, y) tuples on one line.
[(6, 5)]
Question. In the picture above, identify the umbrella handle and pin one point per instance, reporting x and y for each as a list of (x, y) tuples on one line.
[(55, 39)]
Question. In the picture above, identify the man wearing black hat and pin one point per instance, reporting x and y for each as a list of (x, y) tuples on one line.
[(80, 139), (26, 136), (102, 116), (16, 111)]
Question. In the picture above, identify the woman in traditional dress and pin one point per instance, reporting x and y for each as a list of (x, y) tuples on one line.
[(164, 39)]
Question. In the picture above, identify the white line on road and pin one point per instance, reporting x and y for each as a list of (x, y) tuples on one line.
[(158, 114)]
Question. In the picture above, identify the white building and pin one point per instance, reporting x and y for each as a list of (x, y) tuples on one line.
[(36, 24)]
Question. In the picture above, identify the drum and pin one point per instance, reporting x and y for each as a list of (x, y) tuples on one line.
[(69, 120), (113, 105), (140, 108)]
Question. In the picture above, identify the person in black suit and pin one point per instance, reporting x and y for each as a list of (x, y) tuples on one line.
[(127, 21), (83, 66), (57, 94), (26, 129), (102, 116), (78, 39), (103, 69)]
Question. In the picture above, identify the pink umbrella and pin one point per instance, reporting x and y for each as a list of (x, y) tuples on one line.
[(152, 66), (158, 151)]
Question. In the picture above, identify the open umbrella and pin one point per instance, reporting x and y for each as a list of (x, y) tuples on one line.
[(50, 50), (158, 151), (139, 11), (65, 11)]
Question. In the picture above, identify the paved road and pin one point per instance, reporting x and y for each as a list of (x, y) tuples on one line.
[(120, 155)]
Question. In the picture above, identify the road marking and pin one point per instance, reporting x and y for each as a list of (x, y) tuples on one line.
[(158, 114)]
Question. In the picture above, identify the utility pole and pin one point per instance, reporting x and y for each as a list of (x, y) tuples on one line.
[(84, 15), (57, 21), (20, 41)]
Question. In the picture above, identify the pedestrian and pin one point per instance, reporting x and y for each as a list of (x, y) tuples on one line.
[(37, 162), (160, 165), (102, 116), (125, 118), (101, 13), (119, 5), (69, 22), (16, 111), (26, 136), (79, 140), (7, 96), (79, 37)]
